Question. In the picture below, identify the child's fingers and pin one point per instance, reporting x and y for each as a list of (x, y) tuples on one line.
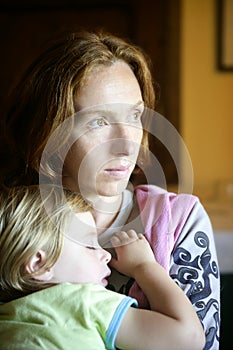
[(132, 234), (116, 242), (141, 236), (122, 238), (119, 239)]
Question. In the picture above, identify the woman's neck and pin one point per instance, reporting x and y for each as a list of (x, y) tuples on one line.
[(105, 211)]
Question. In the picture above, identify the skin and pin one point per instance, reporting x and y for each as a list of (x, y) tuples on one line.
[(171, 323), (82, 259), (108, 134)]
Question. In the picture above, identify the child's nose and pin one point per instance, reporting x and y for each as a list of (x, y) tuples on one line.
[(107, 256)]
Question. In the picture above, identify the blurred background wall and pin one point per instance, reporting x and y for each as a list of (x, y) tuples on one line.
[(206, 97), (206, 124)]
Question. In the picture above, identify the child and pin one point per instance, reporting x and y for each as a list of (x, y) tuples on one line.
[(53, 275)]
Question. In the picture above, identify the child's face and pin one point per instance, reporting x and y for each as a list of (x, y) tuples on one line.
[(82, 260)]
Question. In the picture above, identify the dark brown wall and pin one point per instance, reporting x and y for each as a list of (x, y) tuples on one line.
[(26, 26)]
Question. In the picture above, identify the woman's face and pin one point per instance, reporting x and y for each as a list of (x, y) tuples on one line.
[(108, 132)]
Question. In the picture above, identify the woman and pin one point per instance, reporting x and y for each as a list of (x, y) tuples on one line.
[(78, 119)]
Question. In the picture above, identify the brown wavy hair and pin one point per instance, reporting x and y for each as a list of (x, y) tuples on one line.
[(45, 96)]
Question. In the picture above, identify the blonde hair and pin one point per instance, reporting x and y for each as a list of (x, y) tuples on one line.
[(25, 228), (45, 96)]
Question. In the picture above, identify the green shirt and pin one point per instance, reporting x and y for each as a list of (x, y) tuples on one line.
[(66, 316)]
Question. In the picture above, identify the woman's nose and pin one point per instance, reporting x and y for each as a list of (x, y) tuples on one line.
[(125, 140), (123, 131)]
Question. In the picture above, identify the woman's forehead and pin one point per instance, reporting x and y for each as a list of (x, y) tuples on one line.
[(111, 84)]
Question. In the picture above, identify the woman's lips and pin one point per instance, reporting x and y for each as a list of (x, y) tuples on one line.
[(119, 172)]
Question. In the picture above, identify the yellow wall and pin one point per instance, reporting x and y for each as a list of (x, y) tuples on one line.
[(206, 96)]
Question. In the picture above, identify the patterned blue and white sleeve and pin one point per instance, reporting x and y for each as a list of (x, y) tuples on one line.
[(194, 267)]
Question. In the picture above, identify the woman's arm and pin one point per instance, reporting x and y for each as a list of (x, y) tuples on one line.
[(172, 321), (194, 267)]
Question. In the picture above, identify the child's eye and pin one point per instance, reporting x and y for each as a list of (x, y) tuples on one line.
[(90, 247)]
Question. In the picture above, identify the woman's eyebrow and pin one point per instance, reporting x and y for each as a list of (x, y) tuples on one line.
[(139, 103), (105, 108)]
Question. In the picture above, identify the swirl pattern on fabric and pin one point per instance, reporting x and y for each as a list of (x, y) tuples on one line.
[(196, 275)]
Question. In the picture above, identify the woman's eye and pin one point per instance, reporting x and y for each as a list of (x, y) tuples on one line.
[(98, 123), (136, 116)]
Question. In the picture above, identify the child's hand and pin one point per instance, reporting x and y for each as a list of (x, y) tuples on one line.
[(133, 250)]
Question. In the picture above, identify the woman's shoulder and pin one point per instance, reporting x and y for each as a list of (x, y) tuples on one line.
[(157, 205), (158, 194)]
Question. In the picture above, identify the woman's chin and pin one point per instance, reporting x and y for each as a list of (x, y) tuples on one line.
[(104, 189), (112, 190)]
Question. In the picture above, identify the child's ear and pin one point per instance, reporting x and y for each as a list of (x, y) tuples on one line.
[(35, 264)]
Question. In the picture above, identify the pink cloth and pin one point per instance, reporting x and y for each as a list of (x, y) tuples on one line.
[(163, 216)]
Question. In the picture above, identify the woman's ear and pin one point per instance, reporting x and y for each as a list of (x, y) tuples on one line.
[(35, 264)]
